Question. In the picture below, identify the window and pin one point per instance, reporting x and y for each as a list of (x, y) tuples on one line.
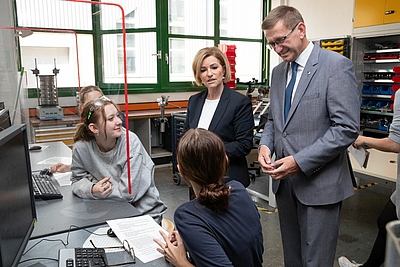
[(54, 14), (141, 44), (48, 50), (162, 38), (181, 53), (191, 27), (141, 65), (240, 25), (57, 26)]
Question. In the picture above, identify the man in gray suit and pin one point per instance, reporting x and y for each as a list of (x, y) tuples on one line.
[(312, 119)]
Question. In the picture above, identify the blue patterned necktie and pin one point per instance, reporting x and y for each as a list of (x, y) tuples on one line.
[(289, 89)]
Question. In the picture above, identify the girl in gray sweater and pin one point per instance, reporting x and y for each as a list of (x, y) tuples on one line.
[(99, 161)]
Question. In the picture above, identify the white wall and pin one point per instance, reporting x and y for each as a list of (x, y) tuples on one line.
[(324, 19)]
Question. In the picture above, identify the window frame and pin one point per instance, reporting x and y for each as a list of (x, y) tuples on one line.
[(163, 84)]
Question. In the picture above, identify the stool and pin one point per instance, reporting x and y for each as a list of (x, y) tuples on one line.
[(255, 168)]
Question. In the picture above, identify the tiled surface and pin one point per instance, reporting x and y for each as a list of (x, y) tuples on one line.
[(357, 230)]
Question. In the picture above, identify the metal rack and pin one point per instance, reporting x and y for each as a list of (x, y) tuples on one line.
[(178, 119)]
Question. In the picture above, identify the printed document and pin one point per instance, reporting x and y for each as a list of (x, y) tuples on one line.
[(102, 240), (139, 232)]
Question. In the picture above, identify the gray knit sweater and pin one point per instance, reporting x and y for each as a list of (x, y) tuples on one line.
[(90, 165)]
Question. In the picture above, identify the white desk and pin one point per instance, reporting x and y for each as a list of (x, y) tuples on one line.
[(382, 165), (53, 149)]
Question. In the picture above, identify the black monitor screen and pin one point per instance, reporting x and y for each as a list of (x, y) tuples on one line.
[(5, 120), (17, 203)]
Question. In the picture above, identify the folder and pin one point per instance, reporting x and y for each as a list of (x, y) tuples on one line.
[(360, 154)]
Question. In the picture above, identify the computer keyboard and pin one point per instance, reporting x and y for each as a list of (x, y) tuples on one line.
[(74, 257), (44, 187)]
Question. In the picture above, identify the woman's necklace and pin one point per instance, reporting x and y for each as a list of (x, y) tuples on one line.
[(109, 156)]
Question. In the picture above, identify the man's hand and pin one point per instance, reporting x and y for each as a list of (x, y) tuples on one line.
[(283, 168), (280, 169), (264, 159)]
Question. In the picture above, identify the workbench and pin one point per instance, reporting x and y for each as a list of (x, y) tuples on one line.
[(140, 122), (381, 165)]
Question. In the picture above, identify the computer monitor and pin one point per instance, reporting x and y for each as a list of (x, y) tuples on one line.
[(17, 203), (5, 119)]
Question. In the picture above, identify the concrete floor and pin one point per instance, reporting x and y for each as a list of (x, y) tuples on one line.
[(357, 230)]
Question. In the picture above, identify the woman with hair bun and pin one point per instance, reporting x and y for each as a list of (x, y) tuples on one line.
[(221, 226)]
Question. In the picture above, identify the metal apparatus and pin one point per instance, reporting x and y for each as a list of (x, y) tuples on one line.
[(251, 85), (162, 102), (48, 108), (262, 97)]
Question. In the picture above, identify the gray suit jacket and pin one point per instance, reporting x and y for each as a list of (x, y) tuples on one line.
[(322, 122)]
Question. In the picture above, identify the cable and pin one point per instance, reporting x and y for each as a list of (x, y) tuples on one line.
[(49, 240), (38, 259), (65, 244)]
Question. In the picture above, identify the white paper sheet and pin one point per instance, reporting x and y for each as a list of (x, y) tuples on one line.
[(102, 240), (139, 232), (63, 178), (54, 160)]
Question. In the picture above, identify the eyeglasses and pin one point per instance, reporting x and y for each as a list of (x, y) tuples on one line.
[(97, 103), (126, 246), (281, 40)]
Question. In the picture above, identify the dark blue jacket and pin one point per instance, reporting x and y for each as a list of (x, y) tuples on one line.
[(230, 238), (233, 121)]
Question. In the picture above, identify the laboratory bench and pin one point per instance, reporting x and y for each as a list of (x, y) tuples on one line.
[(44, 131)]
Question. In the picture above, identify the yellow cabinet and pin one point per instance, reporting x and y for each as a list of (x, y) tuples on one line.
[(392, 11), (376, 12)]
